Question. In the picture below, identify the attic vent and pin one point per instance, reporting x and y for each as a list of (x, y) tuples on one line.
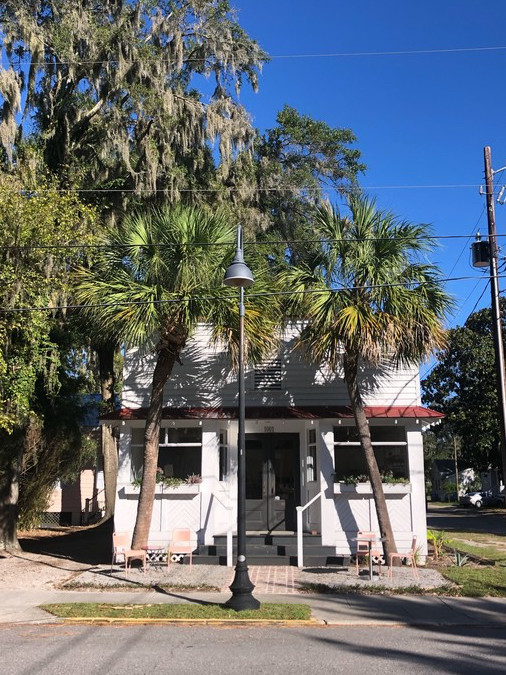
[(268, 375)]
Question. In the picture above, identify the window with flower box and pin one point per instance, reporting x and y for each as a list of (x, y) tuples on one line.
[(223, 455), (179, 452), (311, 474), (390, 449)]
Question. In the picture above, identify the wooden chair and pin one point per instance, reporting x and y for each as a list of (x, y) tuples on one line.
[(121, 548), (364, 549), (409, 555), (180, 543)]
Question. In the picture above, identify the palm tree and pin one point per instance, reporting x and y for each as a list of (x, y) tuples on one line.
[(158, 276), (368, 298)]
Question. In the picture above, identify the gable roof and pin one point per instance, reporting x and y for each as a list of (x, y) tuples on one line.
[(445, 467)]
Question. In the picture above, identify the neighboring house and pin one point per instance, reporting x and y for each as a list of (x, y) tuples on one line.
[(83, 501), (443, 480), (77, 503), (491, 480), (300, 444)]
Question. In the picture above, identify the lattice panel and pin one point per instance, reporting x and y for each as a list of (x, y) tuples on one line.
[(179, 513), (50, 518), (400, 514), (353, 514)]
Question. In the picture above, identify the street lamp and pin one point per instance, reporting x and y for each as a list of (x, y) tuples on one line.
[(238, 274)]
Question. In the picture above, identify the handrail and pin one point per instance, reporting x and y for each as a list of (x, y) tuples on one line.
[(229, 530), (300, 511)]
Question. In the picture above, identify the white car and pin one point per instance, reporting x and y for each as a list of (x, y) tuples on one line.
[(482, 498)]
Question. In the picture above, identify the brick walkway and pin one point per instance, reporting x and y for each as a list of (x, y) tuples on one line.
[(273, 579)]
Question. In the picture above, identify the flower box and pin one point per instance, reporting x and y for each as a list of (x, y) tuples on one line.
[(184, 489), (366, 489)]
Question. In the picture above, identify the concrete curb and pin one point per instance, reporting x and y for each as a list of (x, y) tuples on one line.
[(214, 622)]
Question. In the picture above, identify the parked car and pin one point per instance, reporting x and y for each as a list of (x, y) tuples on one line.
[(482, 498)]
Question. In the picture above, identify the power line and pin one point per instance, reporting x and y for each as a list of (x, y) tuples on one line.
[(187, 298), (496, 180), (269, 242), (482, 294), (289, 188), (404, 52)]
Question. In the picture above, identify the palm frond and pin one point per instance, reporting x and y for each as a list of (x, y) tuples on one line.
[(368, 288)]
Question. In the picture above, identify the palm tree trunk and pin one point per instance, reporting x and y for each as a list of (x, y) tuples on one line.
[(351, 379), (166, 358)]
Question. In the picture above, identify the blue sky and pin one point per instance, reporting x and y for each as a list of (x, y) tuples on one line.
[(420, 119)]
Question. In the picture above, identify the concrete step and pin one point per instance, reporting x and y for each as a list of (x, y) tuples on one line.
[(266, 560), (274, 539), (271, 549)]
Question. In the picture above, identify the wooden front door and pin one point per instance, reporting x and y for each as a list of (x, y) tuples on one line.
[(272, 481)]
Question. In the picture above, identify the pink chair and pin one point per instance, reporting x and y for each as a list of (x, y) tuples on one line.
[(121, 548), (409, 555), (364, 548), (180, 544)]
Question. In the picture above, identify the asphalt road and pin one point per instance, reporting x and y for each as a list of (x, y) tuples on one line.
[(89, 650), (455, 519)]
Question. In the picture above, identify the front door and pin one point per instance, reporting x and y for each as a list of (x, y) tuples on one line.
[(272, 481)]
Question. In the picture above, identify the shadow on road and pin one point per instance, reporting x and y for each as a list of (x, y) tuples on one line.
[(457, 519)]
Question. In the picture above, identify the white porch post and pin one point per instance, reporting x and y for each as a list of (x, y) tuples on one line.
[(300, 547)]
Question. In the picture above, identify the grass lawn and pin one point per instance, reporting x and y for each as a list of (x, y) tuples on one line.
[(440, 504), (476, 580), (481, 544), (93, 610)]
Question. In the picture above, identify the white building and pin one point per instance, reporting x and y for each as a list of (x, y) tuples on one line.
[(300, 446)]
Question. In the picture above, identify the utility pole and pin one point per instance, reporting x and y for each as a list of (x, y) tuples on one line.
[(456, 467), (496, 308)]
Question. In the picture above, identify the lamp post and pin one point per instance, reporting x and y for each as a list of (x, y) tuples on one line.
[(238, 274)]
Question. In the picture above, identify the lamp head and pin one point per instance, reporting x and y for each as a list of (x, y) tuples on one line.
[(238, 273)]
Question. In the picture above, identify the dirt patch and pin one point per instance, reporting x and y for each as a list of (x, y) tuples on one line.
[(24, 570), (49, 558)]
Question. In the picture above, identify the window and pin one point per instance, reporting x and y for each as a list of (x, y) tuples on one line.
[(268, 375), (137, 453), (179, 452), (223, 453), (311, 456), (390, 448)]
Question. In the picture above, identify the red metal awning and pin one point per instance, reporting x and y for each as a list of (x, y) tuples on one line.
[(280, 412)]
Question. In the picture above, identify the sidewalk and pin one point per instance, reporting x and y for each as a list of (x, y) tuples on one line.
[(20, 604), (336, 610)]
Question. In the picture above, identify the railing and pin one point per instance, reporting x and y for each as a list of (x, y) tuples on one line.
[(93, 506), (300, 511)]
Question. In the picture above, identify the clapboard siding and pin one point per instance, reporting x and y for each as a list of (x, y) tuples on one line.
[(204, 378)]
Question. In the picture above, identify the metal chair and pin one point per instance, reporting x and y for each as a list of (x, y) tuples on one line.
[(121, 548), (409, 555), (364, 549), (181, 544)]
